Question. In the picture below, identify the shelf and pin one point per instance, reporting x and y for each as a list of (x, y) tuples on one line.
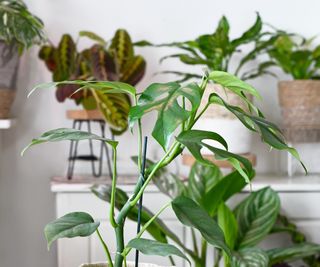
[(6, 123), (280, 183)]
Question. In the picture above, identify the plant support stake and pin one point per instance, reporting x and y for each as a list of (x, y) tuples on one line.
[(144, 158)]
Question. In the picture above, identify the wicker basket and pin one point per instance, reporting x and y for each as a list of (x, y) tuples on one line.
[(300, 106), (6, 100)]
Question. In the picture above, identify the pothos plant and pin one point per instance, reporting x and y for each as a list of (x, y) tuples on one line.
[(173, 130), (217, 51), (295, 55), (245, 226), (103, 61), (19, 28)]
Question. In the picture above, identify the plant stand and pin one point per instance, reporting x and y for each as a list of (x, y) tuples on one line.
[(80, 118)]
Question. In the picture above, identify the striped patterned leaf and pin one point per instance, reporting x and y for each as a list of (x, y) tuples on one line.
[(46, 53), (293, 253), (65, 58), (122, 48), (103, 65), (115, 109), (250, 257), (134, 70), (256, 216)]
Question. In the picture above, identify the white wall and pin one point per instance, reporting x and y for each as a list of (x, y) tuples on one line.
[(26, 203)]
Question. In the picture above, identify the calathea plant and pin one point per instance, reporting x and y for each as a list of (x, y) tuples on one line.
[(217, 50), (103, 61), (173, 130), (244, 227)]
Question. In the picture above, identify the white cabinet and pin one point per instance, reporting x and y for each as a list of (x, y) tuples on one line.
[(300, 198)]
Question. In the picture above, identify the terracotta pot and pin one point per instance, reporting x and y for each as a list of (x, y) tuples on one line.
[(300, 107), (129, 264), (220, 120), (9, 61)]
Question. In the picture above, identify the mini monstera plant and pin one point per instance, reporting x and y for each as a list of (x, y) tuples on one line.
[(173, 130), (252, 220), (217, 51), (103, 61)]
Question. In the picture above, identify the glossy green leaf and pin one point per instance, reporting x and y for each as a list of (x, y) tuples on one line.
[(66, 134), (151, 247), (250, 257), (157, 229), (192, 215), (269, 132), (249, 35), (70, 225), (233, 83), (256, 216), (164, 98), (195, 140), (202, 178), (93, 36), (293, 253), (225, 188), (228, 224), (103, 86)]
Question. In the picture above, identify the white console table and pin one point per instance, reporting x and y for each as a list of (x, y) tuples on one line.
[(300, 198)]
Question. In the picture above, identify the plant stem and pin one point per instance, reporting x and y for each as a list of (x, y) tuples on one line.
[(194, 241), (146, 225), (105, 247), (120, 245), (113, 189), (139, 139), (203, 251)]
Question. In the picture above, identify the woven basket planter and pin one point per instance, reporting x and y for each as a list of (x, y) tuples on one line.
[(300, 107), (129, 264), (9, 61), (220, 120)]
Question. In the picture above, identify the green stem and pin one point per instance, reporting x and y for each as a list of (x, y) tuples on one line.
[(120, 246), (204, 251), (139, 140), (113, 189), (194, 241), (146, 225), (105, 247)]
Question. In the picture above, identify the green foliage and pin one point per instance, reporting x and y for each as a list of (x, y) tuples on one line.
[(18, 26), (70, 225), (216, 50), (192, 215), (151, 247), (295, 55), (200, 204), (164, 98), (100, 62), (256, 217)]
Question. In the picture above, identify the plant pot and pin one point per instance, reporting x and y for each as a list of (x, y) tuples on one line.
[(300, 107), (129, 264), (9, 61), (220, 120)]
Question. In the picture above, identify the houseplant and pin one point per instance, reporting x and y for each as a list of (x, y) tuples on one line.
[(300, 97), (245, 226), (173, 117), (19, 30), (218, 51), (103, 61)]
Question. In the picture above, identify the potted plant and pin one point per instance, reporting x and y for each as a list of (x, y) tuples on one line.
[(103, 61), (252, 220), (300, 97), (173, 130), (218, 51), (19, 30)]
